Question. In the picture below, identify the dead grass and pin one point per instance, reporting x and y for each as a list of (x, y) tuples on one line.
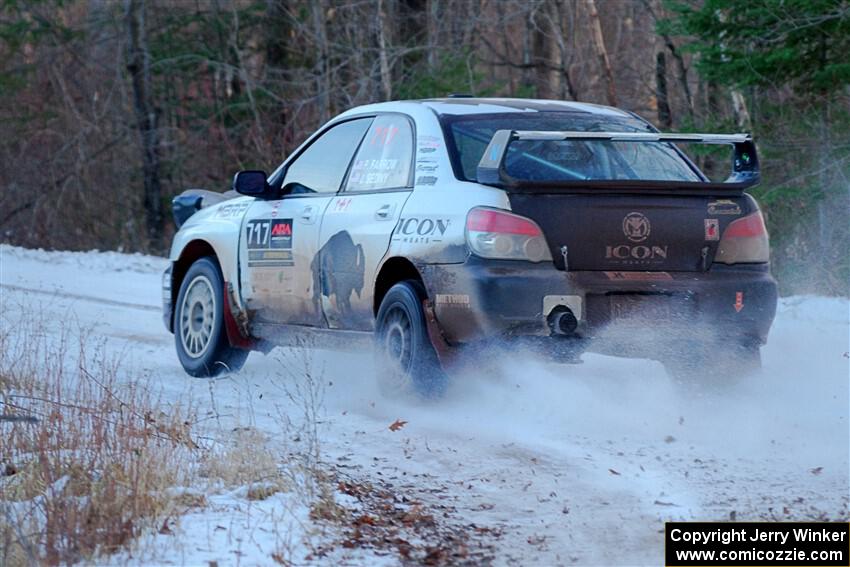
[(245, 458), (96, 467), (106, 461), (303, 382)]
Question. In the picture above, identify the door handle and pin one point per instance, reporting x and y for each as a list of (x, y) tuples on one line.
[(307, 213), (384, 212)]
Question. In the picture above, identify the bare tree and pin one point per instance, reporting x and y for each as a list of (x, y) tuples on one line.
[(139, 68), (323, 71), (601, 53), (386, 78), (213, 86), (665, 119)]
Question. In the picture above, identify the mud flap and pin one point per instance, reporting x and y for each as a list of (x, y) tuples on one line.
[(236, 322), (446, 355)]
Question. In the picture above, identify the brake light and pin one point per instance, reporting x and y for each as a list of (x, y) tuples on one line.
[(748, 226), (489, 220), (745, 240), (497, 234)]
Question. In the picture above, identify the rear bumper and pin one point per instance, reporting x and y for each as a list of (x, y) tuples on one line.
[(483, 299)]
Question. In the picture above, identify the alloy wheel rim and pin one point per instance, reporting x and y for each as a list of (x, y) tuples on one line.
[(197, 317), (398, 341)]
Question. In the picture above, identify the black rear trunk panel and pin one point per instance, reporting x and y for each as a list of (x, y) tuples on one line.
[(631, 232)]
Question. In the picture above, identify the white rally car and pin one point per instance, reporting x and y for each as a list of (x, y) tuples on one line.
[(431, 226)]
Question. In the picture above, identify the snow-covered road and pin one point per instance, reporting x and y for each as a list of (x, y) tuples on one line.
[(570, 464)]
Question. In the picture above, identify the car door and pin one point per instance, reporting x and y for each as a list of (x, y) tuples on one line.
[(359, 222), (280, 238)]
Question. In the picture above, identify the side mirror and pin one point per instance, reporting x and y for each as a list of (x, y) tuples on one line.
[(253, 183)]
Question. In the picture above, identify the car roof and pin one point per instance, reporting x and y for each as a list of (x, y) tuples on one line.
[(463, 105), (472, 105)]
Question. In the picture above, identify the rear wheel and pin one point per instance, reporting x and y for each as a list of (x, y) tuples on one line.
[(406, 360), (199, 334)]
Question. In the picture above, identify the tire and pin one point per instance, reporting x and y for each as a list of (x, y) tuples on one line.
[(406, 361), (718, 365), (199, 333)]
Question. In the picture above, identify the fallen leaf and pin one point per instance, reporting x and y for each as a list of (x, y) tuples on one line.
[(669, 439), (816, 470), (612, 471), (365, 519), (397, 424)]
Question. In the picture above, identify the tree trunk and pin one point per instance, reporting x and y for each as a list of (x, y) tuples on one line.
[(739, 106), (386, 79), (824, 234), (665, 118), (138, 65), (432, 15), (682, 73), (601, 52), (323, 79), (527, 54), (713, 114), (539, 56), (567, 88), (681, 68)]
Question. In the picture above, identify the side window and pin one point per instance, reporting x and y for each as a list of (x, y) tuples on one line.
[(322, 166), (384, 158)]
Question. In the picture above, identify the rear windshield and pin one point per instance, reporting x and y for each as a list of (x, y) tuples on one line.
[(553, 160)]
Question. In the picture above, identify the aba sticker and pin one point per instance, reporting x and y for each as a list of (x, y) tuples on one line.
[(281, 235)]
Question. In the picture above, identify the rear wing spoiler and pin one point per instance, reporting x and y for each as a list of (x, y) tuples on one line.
[(745, 165)]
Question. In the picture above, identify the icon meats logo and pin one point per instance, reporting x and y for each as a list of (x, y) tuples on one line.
[(425, 230), (636, 227)]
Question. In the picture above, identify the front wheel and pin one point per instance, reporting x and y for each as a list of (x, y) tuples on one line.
[(406, 360), (199, 333)]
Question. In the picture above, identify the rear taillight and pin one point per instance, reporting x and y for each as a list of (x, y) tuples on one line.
[(497, 234), (744, 241)]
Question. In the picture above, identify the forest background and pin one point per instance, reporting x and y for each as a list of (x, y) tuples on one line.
[(109, 108)]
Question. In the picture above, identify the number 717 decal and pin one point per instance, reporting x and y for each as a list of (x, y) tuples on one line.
[(269, 233), (269, 242)]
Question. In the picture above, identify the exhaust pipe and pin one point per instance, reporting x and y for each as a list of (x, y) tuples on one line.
[(562, 321)]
